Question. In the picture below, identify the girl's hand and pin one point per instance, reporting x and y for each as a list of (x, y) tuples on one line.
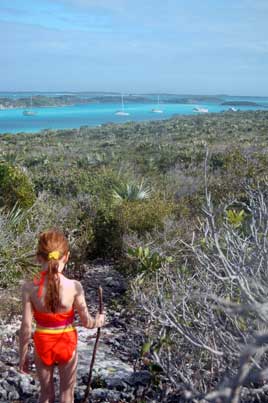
[(99, 320)]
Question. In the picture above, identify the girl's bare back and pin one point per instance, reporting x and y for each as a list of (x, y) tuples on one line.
[(71, 296)]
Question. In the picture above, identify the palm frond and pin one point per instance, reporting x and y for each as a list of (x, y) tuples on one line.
[(131, 191)]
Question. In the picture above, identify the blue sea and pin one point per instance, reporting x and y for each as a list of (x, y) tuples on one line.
[(65, 117)]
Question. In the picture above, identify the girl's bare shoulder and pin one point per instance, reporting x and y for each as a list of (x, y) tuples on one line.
[(78, 288), (27, 287), (70, 283)]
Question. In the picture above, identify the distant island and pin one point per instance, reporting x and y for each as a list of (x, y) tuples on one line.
[(240, 103), (68, 100), (58, 100), (79, 98)]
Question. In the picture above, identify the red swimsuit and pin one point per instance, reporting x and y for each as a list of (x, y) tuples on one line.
[(55, 345), (55, 338)]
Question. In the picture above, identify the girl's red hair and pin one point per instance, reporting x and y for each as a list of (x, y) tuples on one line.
[(51, 241)]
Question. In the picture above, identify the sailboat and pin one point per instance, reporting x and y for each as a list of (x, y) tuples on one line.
[(30, 111), (200, 110), (157, 110), (122, 112)]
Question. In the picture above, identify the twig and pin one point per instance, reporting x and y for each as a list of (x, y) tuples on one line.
[(95, 349)]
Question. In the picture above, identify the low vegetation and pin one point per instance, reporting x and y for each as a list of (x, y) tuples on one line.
[(181, 206)]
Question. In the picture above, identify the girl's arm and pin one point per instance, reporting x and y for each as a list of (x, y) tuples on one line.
[(26, 327), (81, 306)]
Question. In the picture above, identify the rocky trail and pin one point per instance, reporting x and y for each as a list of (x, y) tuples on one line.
[(114, 378)]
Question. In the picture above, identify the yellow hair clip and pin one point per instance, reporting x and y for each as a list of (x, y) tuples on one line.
[(54, 255)]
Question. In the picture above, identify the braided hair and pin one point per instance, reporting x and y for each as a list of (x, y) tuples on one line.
[(52, 246)]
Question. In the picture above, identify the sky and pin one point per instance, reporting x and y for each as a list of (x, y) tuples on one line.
[(135, 46)]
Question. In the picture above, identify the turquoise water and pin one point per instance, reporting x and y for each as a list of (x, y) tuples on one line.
[(13, 120)]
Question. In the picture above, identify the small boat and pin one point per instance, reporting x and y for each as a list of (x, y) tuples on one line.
[(30, 112), (157, 110), (200, 110), (122, 112), (232, 109)]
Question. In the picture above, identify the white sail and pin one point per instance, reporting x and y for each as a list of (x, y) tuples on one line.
[(122, 112), (30, 111), (157, 110)]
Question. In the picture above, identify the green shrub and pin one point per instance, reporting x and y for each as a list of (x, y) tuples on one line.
[(235, 218), (16, 247), (148, 261), (189, 206), (144, 216), (15, 187), (97, 182), (216, 161), (108, 234)]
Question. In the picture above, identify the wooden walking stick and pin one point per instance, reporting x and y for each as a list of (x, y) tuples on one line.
[(95, 348)]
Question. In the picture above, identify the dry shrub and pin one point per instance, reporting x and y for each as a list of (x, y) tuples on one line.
[(207, 318)]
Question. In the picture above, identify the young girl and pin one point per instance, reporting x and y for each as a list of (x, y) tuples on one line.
[(51, 299)]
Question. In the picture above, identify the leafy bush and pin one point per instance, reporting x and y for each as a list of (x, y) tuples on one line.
[(15, 187), (144, 216), (235, 218), (16, 247), (108, 234), (147, 261), (238, 168)]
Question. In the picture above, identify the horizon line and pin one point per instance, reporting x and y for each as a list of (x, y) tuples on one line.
[(127, 93)]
